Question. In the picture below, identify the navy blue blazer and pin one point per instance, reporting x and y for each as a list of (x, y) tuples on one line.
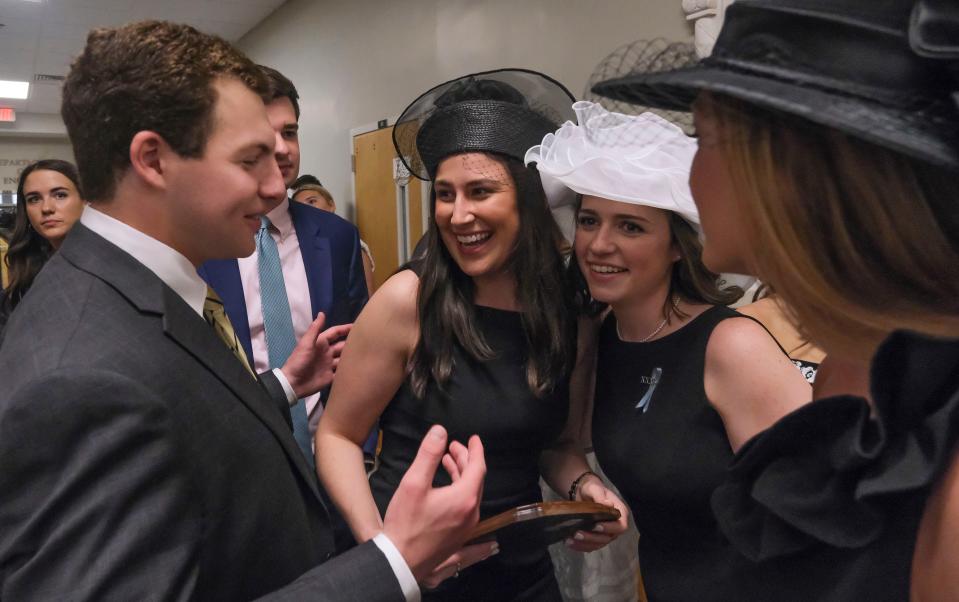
[(330, 246)]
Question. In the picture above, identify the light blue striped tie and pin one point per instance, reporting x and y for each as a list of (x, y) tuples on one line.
[(280, 339)]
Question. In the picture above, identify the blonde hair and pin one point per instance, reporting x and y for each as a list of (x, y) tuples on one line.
[(859, 240), (323, 192)]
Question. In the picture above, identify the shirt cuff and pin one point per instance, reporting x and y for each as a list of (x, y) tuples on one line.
[(290, 394), (411, 591)]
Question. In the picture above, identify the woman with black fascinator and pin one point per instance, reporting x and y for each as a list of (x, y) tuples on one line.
[(827, 166), (479, 336)]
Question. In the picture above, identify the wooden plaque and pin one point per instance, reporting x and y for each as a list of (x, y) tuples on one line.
[(542, 524)]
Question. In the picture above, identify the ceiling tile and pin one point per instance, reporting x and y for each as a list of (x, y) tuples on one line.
[(17, 64), (44, 37)]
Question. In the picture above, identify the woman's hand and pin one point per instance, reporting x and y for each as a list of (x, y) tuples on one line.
[(452, 566), (593, 490)]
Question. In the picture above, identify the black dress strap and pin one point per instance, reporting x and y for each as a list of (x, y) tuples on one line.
[(775, 340)]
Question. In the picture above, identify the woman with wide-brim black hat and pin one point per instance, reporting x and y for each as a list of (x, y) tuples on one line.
[(479, 336), (827, 165)]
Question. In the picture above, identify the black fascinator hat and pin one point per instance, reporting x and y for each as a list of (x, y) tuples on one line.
[(505, 111), (885, 71)]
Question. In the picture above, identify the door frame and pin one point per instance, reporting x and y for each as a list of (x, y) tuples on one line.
[(365, 128), (373, 126)]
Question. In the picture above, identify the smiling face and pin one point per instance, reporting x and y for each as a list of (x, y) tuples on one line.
[(476, 212), (216, 201), (282, 118), (53, 204), (625, 251)]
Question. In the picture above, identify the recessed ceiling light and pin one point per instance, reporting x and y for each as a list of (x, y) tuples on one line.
[(9, 89)]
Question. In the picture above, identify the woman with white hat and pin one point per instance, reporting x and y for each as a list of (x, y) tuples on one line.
[(668, 349)]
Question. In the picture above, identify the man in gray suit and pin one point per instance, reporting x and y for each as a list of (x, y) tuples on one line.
[(140, 458)]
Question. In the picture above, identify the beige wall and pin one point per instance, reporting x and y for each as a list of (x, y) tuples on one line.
[(358, 61)]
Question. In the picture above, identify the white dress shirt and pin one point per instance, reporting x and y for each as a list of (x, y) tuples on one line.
[(179, 274), (169, 265), (297, 292)]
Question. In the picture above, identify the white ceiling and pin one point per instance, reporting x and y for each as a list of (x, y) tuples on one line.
[(42, 37)]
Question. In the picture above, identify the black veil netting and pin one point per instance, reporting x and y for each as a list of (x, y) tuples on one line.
[(504, 111), (643, 56)]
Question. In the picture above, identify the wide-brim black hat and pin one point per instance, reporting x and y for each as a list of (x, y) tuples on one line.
[(505, 111), (884, 71)]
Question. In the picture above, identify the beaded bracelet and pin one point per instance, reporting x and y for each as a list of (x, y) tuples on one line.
[(576, 482)]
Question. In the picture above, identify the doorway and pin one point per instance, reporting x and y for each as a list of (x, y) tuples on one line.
[(392, 207)]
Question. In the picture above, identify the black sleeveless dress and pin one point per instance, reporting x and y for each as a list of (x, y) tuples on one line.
[(490, 399), (824, 505), (662, 444)]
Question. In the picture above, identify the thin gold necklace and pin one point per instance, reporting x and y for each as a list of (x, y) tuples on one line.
[(675, 305)]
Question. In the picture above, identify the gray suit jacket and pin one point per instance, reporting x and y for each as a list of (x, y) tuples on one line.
[(140, 461)]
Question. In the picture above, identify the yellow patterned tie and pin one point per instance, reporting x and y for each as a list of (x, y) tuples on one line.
[(215, 315)]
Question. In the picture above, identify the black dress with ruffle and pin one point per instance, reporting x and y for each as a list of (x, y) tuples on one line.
[(827, 502)]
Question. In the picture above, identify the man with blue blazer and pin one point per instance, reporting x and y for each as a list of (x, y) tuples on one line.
[(334, 271), (317, 267), (141, 458)]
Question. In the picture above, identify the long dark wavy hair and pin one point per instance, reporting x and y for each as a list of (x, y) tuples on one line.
[(447, 313), (29, 251), (689, 279)]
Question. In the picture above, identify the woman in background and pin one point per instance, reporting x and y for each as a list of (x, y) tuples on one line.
[(669, 349), (826, 167), (309, 191), (479, 336), (48, 204)]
